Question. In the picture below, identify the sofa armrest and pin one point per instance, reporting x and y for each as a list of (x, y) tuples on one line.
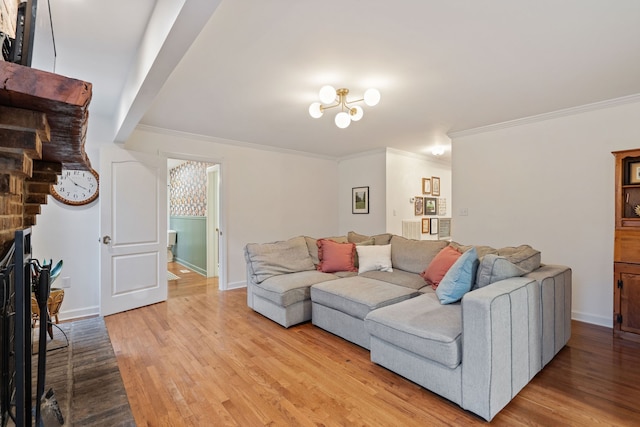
[(555, 298), (501, 343), (250, 276)]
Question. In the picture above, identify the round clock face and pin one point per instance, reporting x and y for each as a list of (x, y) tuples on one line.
[(76, 187)]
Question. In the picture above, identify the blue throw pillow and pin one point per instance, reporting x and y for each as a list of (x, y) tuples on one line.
[(459, 278)]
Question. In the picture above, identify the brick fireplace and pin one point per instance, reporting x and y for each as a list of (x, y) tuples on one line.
[(43, 124)]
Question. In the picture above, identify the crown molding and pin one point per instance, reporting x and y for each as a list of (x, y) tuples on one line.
[(600, 105), (231, 142)]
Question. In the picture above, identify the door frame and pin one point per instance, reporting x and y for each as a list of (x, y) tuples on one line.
[(222, 240), (213, 224)]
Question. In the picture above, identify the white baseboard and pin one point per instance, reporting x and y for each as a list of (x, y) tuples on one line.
[(79, 313), (236, 285), (590, 318)]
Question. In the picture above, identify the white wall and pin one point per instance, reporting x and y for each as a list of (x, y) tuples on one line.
[(404, 181), (549, 184), (71, 233), (266, 195), (364, 170)]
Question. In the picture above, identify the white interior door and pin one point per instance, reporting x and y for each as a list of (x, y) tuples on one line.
[(133, 225)]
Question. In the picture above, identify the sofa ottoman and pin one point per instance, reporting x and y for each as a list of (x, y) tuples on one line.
[(340, 306)]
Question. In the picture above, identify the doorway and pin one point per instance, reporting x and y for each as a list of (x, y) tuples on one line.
[(193, 212)]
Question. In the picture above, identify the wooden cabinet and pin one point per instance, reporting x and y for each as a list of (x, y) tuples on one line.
[(626, 252)]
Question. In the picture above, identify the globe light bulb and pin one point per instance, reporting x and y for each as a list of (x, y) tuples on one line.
[(343, 120), (356, 113), (327, 94), (371, 97), (315, 111)]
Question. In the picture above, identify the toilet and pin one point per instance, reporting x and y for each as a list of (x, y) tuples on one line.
[(172, 235)]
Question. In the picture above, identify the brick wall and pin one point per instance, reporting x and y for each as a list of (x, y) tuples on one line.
[(25, 180)]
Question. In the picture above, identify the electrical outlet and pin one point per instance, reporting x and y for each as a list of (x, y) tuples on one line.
[(66, 282)]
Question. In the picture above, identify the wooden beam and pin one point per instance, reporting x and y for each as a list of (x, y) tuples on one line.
[(65, 102), (25, 120)]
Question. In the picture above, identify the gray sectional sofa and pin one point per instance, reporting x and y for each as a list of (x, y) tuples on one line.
[(478, 352)]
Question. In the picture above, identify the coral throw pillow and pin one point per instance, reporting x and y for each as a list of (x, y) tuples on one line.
[(335, 256), (439, 266)]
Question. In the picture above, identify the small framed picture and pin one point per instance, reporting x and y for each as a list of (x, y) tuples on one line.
[(426, 185), (360, 200), (425, 225), (430, 206), (433, 225), (419, 205), (634, 173), (435, 186), (444, 228)]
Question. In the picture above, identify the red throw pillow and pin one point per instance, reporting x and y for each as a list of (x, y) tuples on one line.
[(439, 266), (335, 256)]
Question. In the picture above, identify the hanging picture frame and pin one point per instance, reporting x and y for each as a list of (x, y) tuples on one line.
[(425, 225), (444, 228), (418, 205), (426, 185), (360, 200), (430, 206), (433, 226), (435, 186)]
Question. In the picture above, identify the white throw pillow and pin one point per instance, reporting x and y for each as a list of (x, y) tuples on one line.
[(374, 258)]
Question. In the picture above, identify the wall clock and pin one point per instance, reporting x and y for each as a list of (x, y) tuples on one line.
[(76, 187)]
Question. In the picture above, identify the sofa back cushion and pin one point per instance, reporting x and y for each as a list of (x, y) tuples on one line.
[(494, 268), (272, 259), (378, 239), (414, 255), (524, 256)]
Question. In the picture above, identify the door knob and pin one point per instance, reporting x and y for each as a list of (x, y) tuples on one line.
[(106, 240)]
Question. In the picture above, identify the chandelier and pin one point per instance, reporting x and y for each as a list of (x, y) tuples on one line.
[(331, 98)]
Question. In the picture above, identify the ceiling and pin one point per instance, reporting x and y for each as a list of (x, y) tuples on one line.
[(251, 72)]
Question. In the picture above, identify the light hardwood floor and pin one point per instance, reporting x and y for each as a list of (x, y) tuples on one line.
[(203, 358)]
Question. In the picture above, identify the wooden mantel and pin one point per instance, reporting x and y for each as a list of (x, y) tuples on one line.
[(43, 126)]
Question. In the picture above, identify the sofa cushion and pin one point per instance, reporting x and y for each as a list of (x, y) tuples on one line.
[(335, 256), (481, 250), (376, 257), (397, 277), (287, 289), (524, 256), (422, 326), (357, 296), (369, 242), (414, 255), (272, 259), (459, 278), (439, 266), (494, 268), (312, 246), (379, 239)]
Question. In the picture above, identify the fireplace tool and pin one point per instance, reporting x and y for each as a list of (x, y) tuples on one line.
[(47, 408)]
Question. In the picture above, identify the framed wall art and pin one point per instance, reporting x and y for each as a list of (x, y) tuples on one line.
[(419, 205), (426, 185), (433, 226), (634, 173), (444, 228), (425, 225), (360, 200), (435, 186), (430, 206)]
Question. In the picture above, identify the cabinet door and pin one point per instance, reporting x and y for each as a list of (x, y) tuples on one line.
[(630, 303)]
